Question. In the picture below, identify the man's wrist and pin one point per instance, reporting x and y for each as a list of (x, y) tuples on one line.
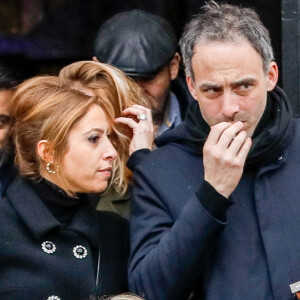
[(213, 202)]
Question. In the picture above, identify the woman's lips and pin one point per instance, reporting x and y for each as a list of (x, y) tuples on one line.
[(105, 171)]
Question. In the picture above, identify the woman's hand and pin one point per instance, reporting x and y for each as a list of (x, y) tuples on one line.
[(142, 128)]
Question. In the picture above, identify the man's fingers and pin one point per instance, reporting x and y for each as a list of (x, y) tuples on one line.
[(229, 134), (237, 142), (242, 155), (215, 133)]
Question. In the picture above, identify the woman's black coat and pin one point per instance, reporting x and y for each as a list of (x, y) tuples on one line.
[(28, 272)]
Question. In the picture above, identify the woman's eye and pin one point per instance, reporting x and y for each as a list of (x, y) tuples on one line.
[(94, 138), (4, 121)]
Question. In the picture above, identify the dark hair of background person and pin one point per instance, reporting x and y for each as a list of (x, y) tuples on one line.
[(9, 77)]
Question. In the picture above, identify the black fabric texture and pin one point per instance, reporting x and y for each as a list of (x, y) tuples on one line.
[(213, 202), (7, 170), (57, 201), (136, 157)]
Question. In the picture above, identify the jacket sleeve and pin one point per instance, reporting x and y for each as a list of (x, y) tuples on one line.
[(168, 255)]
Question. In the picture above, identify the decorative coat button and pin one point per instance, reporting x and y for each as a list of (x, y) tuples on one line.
[(53, 298), (80, 252), (48, 247)]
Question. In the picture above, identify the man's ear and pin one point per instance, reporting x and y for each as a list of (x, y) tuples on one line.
[(45, 151), (95, 59), (174, 66), (272, 76), (191, 86)]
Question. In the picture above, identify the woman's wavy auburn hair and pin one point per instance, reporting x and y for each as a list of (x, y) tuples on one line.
[(44, 108), (118, 92)]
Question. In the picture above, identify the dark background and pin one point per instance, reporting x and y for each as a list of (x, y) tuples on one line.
[(54, 32), (41, 36)]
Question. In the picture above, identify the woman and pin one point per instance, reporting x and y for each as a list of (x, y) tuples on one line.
[(125, 99), (55, 246)]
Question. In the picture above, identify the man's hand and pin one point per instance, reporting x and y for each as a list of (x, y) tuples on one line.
[(224, 156)]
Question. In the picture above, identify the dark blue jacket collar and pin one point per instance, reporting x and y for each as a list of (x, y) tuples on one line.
[(39, 220)]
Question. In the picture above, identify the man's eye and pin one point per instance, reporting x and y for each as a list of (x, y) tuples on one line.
[(212, 92), (94, 139), (244, 87)]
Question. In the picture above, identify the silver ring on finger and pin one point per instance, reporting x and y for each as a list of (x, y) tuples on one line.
[(142, 117)]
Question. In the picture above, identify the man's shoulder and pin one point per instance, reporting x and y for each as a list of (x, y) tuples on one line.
[(171, 161), (166, 154), (296, 133)]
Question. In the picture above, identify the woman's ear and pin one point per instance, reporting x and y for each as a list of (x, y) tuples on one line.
[(45, 151)]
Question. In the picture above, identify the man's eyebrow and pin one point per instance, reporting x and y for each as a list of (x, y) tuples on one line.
[(209, 85), (245, 80)]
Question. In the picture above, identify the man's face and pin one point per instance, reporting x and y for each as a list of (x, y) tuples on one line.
[(4, 115), (157, 91), (230, 83)]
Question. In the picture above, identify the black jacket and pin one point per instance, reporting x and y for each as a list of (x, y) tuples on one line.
[(188, 242), (7, 171), (28, 272)]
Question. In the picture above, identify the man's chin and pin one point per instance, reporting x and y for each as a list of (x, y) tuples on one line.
[(157, 117)]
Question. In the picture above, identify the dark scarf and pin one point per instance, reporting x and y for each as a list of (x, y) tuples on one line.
[(60, 205), (271, 136)]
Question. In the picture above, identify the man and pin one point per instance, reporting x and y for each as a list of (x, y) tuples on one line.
[(9, 78), (216, 207), (144, 47)]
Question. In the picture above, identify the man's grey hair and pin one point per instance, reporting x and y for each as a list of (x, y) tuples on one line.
[(225, 23)]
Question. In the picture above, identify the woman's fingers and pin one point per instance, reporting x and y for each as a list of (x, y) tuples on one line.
[(127, 121), (142, 129), (137, 110)]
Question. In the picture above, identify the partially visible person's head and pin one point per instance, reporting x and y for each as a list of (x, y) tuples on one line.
[(125, 296), (229, 64), (61, 134), (9, 79), (225, 23), (143, 46), (118, 92)]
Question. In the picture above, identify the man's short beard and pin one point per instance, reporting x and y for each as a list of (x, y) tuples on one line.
[(158, 114)]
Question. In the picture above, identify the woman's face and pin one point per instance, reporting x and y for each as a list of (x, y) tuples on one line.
[(87, 164)]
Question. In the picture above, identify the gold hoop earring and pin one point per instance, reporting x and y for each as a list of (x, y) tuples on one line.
[(49, 169)]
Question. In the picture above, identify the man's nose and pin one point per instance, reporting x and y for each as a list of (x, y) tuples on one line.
[(230, 104)]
